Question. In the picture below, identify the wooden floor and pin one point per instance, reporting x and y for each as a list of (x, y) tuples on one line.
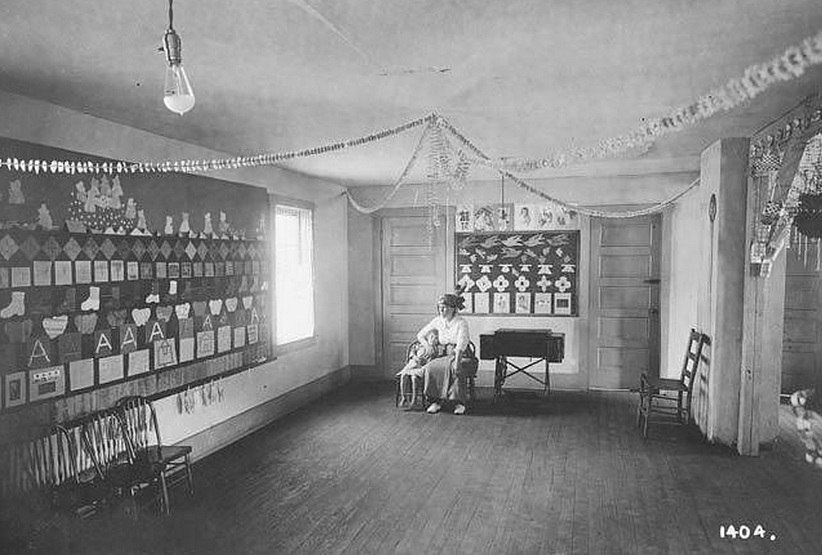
[(352, 474)]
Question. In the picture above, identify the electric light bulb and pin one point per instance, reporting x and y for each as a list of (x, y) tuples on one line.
[(178, 94)]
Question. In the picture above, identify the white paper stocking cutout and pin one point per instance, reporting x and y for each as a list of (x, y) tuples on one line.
[(93, 301), (17, 306)]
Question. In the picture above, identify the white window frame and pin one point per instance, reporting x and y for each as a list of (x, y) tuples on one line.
[(300, 342)]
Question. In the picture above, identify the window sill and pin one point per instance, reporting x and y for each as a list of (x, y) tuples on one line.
[(296, 345)]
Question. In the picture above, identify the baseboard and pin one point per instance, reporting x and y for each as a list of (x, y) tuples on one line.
[(367, 372), (237, 427)]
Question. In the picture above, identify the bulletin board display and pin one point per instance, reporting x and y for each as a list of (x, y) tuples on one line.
[(519, 273), (108, 278)]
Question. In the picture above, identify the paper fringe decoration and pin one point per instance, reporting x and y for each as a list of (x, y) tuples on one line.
[(757, 78), (442, 168)]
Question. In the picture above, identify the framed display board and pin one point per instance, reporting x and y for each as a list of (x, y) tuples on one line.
[(519, 273), (108, 278)]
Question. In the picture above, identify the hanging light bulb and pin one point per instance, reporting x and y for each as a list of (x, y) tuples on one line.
[(178, 94)]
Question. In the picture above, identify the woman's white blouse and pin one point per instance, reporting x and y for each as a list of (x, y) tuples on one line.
[(454, 332)]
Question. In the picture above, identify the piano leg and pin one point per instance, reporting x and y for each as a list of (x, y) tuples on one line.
[(499, 377), (547, 384)]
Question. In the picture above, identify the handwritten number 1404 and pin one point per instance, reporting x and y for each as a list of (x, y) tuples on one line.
[(744, 532)]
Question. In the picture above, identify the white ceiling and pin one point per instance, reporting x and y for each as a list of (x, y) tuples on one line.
[(518, 77)]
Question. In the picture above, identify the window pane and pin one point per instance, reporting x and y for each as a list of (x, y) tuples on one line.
[(294, 273)]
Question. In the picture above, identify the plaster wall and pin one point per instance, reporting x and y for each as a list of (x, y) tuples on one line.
[(47, 124), (361, 263), (610, 191)]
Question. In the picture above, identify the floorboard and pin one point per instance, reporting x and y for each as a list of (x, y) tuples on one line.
[(568, 474)]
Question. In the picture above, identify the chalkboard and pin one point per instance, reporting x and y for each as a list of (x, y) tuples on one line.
[(519, 273)]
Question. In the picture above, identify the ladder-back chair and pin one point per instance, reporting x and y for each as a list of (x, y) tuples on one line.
[(172, 462), (670, 398)]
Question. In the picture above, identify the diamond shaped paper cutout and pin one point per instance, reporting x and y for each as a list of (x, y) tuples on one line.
[(224, 250), (108, 249), (8, 247), (252, 251), (91, 248), (165, 250), (202, 250), (179, 249), (72, 248), (241, 250), (153, 249), (214, 249), (52, 248), (30, 247), (124, 249), (191, 250), (138, 248), (466, 282)]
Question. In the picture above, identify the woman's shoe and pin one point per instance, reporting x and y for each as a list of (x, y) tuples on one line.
[(434, 408), (459, 409)]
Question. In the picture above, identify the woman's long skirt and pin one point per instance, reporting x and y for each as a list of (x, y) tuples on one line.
[(441, 381)]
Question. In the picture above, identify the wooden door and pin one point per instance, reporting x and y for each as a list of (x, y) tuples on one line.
[(624, 301), (802, 334), (413, 276)]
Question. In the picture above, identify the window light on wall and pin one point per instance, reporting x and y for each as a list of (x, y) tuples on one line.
[(294, 273)]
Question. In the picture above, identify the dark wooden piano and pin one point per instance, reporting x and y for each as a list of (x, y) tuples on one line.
[(539, 344)]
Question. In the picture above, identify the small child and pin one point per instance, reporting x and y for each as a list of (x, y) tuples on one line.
[(423, 353)]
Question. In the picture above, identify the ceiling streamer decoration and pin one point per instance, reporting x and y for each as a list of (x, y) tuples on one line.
[(757, 78), (449, 163)]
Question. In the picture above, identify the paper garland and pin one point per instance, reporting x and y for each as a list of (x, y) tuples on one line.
[(757, 78)]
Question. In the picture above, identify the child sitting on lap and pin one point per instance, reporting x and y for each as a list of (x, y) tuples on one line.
[(423, 353)]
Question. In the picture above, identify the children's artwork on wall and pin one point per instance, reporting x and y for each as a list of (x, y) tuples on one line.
[(464, 218), (524, 217), (97, 267), (549, 216), (485, 218), (505, 218), (546, 216), (519, 273)]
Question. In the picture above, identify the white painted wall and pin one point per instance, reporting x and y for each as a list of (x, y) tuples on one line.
[(362, 323), (50, 125), (593, 191)]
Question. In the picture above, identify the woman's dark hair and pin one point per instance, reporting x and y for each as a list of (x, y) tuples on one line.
[(453, 300)]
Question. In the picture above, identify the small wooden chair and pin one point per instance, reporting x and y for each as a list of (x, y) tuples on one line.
[(41, 489), (670, 397), (107, 444), (140, 421), (468, 372)]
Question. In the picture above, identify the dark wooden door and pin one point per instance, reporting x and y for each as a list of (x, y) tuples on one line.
[(624, 301), (802, 336), (413, 275)]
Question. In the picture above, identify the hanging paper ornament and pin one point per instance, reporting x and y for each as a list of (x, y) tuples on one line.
[(770, 212)]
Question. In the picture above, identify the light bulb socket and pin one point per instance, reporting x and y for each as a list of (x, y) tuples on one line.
[(173, 47)]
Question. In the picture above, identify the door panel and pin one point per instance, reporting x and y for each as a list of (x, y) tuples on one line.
[(625, 266), (624, 311), (413, 276), (802, 333)]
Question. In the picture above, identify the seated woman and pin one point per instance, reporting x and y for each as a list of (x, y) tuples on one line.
[(441, 374)]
